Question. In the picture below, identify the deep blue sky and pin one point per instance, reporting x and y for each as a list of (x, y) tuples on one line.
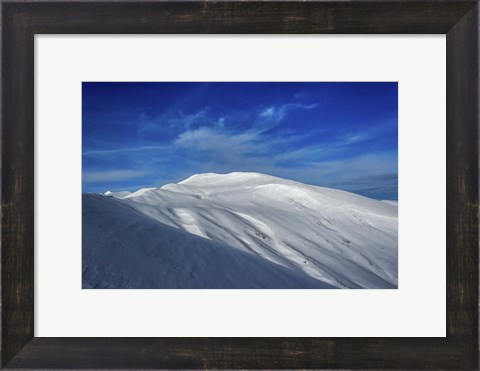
[(341, 135)]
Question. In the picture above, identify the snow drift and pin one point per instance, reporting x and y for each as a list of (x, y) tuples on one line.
[(238, 230)]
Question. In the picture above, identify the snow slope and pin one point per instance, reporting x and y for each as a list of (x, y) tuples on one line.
[(331, 236), (124, 249)]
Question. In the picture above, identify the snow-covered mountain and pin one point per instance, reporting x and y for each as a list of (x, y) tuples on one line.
[(239, 230)]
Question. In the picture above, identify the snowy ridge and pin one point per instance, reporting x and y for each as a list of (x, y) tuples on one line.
[(329, 236), (121, 194)]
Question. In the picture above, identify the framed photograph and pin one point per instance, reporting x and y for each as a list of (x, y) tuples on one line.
[(239, 204), (240, 185)]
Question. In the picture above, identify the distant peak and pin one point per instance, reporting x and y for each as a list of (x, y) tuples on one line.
[(119, 194)]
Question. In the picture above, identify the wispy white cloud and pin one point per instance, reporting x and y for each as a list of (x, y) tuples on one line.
[(371, 132), (187, 120), (255, 143), (111, 176), (351, 167), (175, 119), (301, 95), (115, 151), (355, 138), (215, 140), (277, 113)]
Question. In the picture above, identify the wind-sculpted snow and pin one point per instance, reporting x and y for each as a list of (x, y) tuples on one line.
[(327, 235), (124, 249)]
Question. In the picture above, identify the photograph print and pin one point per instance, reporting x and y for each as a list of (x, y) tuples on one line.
[(239, 185)]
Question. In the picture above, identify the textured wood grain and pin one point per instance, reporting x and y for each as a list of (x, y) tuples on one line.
[(237, 353), (463, 183), (17, 189), (20, 21), (431, 16)]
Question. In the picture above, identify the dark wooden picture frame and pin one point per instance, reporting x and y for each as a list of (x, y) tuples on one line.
[(459, 20)]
